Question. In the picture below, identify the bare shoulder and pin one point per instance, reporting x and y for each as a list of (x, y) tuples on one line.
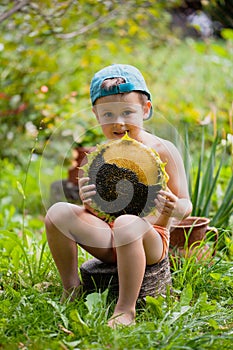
[(164, 148), (171, 156)]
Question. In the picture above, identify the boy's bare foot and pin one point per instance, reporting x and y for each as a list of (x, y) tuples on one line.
[(71, 294), (122, 319)]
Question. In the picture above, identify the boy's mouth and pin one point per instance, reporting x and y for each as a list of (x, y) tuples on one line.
[(120, 133)]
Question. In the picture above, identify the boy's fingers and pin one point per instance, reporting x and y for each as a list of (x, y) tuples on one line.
[(87, 201), (83, 180), (86, 192), (88, 188), (168, 195)]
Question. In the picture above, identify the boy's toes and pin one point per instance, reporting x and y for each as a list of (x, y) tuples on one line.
[(123, 319)]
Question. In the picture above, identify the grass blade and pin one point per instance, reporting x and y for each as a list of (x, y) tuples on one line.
[(207, 178), (187, 160), (205, 210), (195, 195), (225, 209)]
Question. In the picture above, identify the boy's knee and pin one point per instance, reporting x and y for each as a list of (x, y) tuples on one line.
[(60, 214), (123, 221), (53, 215), (126, 229)]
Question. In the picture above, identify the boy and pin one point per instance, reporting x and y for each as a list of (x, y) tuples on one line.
[(121, 102)]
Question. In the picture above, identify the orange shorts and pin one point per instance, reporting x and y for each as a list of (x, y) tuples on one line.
[(164, 234), (162, 231)]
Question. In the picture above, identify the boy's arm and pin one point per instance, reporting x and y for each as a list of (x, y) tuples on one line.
[(174, 201)]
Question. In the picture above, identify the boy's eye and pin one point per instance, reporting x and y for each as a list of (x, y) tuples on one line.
[(108, 115), (126, 113)]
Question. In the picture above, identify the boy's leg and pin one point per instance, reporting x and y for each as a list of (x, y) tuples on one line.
[(67, 224), (64, 252), (137, 244), (136, 241)]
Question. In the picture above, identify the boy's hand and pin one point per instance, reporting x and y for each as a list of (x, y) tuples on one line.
[(169, 204), (86, 191), (166, 202)]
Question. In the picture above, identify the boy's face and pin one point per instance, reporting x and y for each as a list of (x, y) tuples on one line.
[(118, 114)]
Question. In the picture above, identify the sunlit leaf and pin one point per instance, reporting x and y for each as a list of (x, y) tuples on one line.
[(155, 305), (227, 33), (78, 324), (20, 189), (186, 295), (216, 276)]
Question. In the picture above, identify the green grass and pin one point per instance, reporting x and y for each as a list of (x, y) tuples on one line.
[(196, 315)]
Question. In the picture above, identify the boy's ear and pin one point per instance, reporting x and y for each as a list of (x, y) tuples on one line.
[(146, 109)]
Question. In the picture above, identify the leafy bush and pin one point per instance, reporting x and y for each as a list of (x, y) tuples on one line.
[(35, 95), (211, 185), (45, 75)]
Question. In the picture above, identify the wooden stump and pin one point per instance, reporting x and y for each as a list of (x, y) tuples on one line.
[(97, 275)]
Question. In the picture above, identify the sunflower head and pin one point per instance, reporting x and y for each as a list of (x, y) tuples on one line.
[(128, 176)]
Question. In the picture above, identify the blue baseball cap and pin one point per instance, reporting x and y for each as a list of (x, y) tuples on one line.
[(134, 81)]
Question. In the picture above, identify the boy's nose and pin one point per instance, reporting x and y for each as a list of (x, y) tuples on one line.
[(120, 120)]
